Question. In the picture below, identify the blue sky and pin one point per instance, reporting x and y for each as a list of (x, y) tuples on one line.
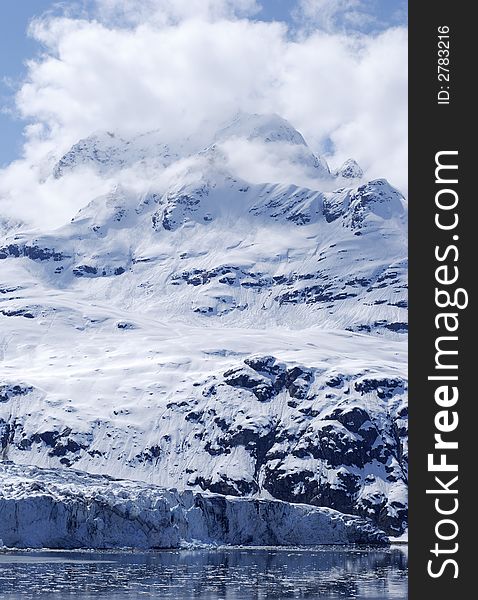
[(16, 48)]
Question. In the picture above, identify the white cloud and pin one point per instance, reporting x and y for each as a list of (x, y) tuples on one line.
[(354, 91), (26, 196), (333, 14), (259, 162), (185, 67), (161, 12), (350, 15)]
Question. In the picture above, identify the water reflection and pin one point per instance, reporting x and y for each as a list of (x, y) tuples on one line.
[(226, 574)]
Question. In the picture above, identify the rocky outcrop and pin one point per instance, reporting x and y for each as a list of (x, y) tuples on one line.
[(349, 170)]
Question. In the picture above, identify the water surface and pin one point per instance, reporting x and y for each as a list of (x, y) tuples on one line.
[(329, 572)]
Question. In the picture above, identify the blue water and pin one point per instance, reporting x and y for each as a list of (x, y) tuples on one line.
[(224, 574)]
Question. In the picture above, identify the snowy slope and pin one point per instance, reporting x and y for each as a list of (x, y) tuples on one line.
[(215, 334), (268, 255)]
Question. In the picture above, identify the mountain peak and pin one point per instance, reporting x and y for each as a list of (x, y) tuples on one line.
[(264, 127), (108, 152), (349, 170)]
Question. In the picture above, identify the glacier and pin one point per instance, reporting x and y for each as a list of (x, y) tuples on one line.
[(224, 338), (42, 508)]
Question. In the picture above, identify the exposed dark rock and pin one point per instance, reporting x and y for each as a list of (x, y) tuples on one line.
[(385, 388), (84, 271), (32, 251), (241, 377), (149, 455), (266, 378), (9, 391), (125, 325), (227, 486), (18, 312)]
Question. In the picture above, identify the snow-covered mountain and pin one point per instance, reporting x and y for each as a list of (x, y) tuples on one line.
[(210, 333)]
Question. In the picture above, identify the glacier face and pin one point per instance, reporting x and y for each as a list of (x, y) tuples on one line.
[(246, 339), (42, 508)]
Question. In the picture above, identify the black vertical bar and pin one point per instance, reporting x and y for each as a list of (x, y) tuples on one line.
[(433, 128)]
